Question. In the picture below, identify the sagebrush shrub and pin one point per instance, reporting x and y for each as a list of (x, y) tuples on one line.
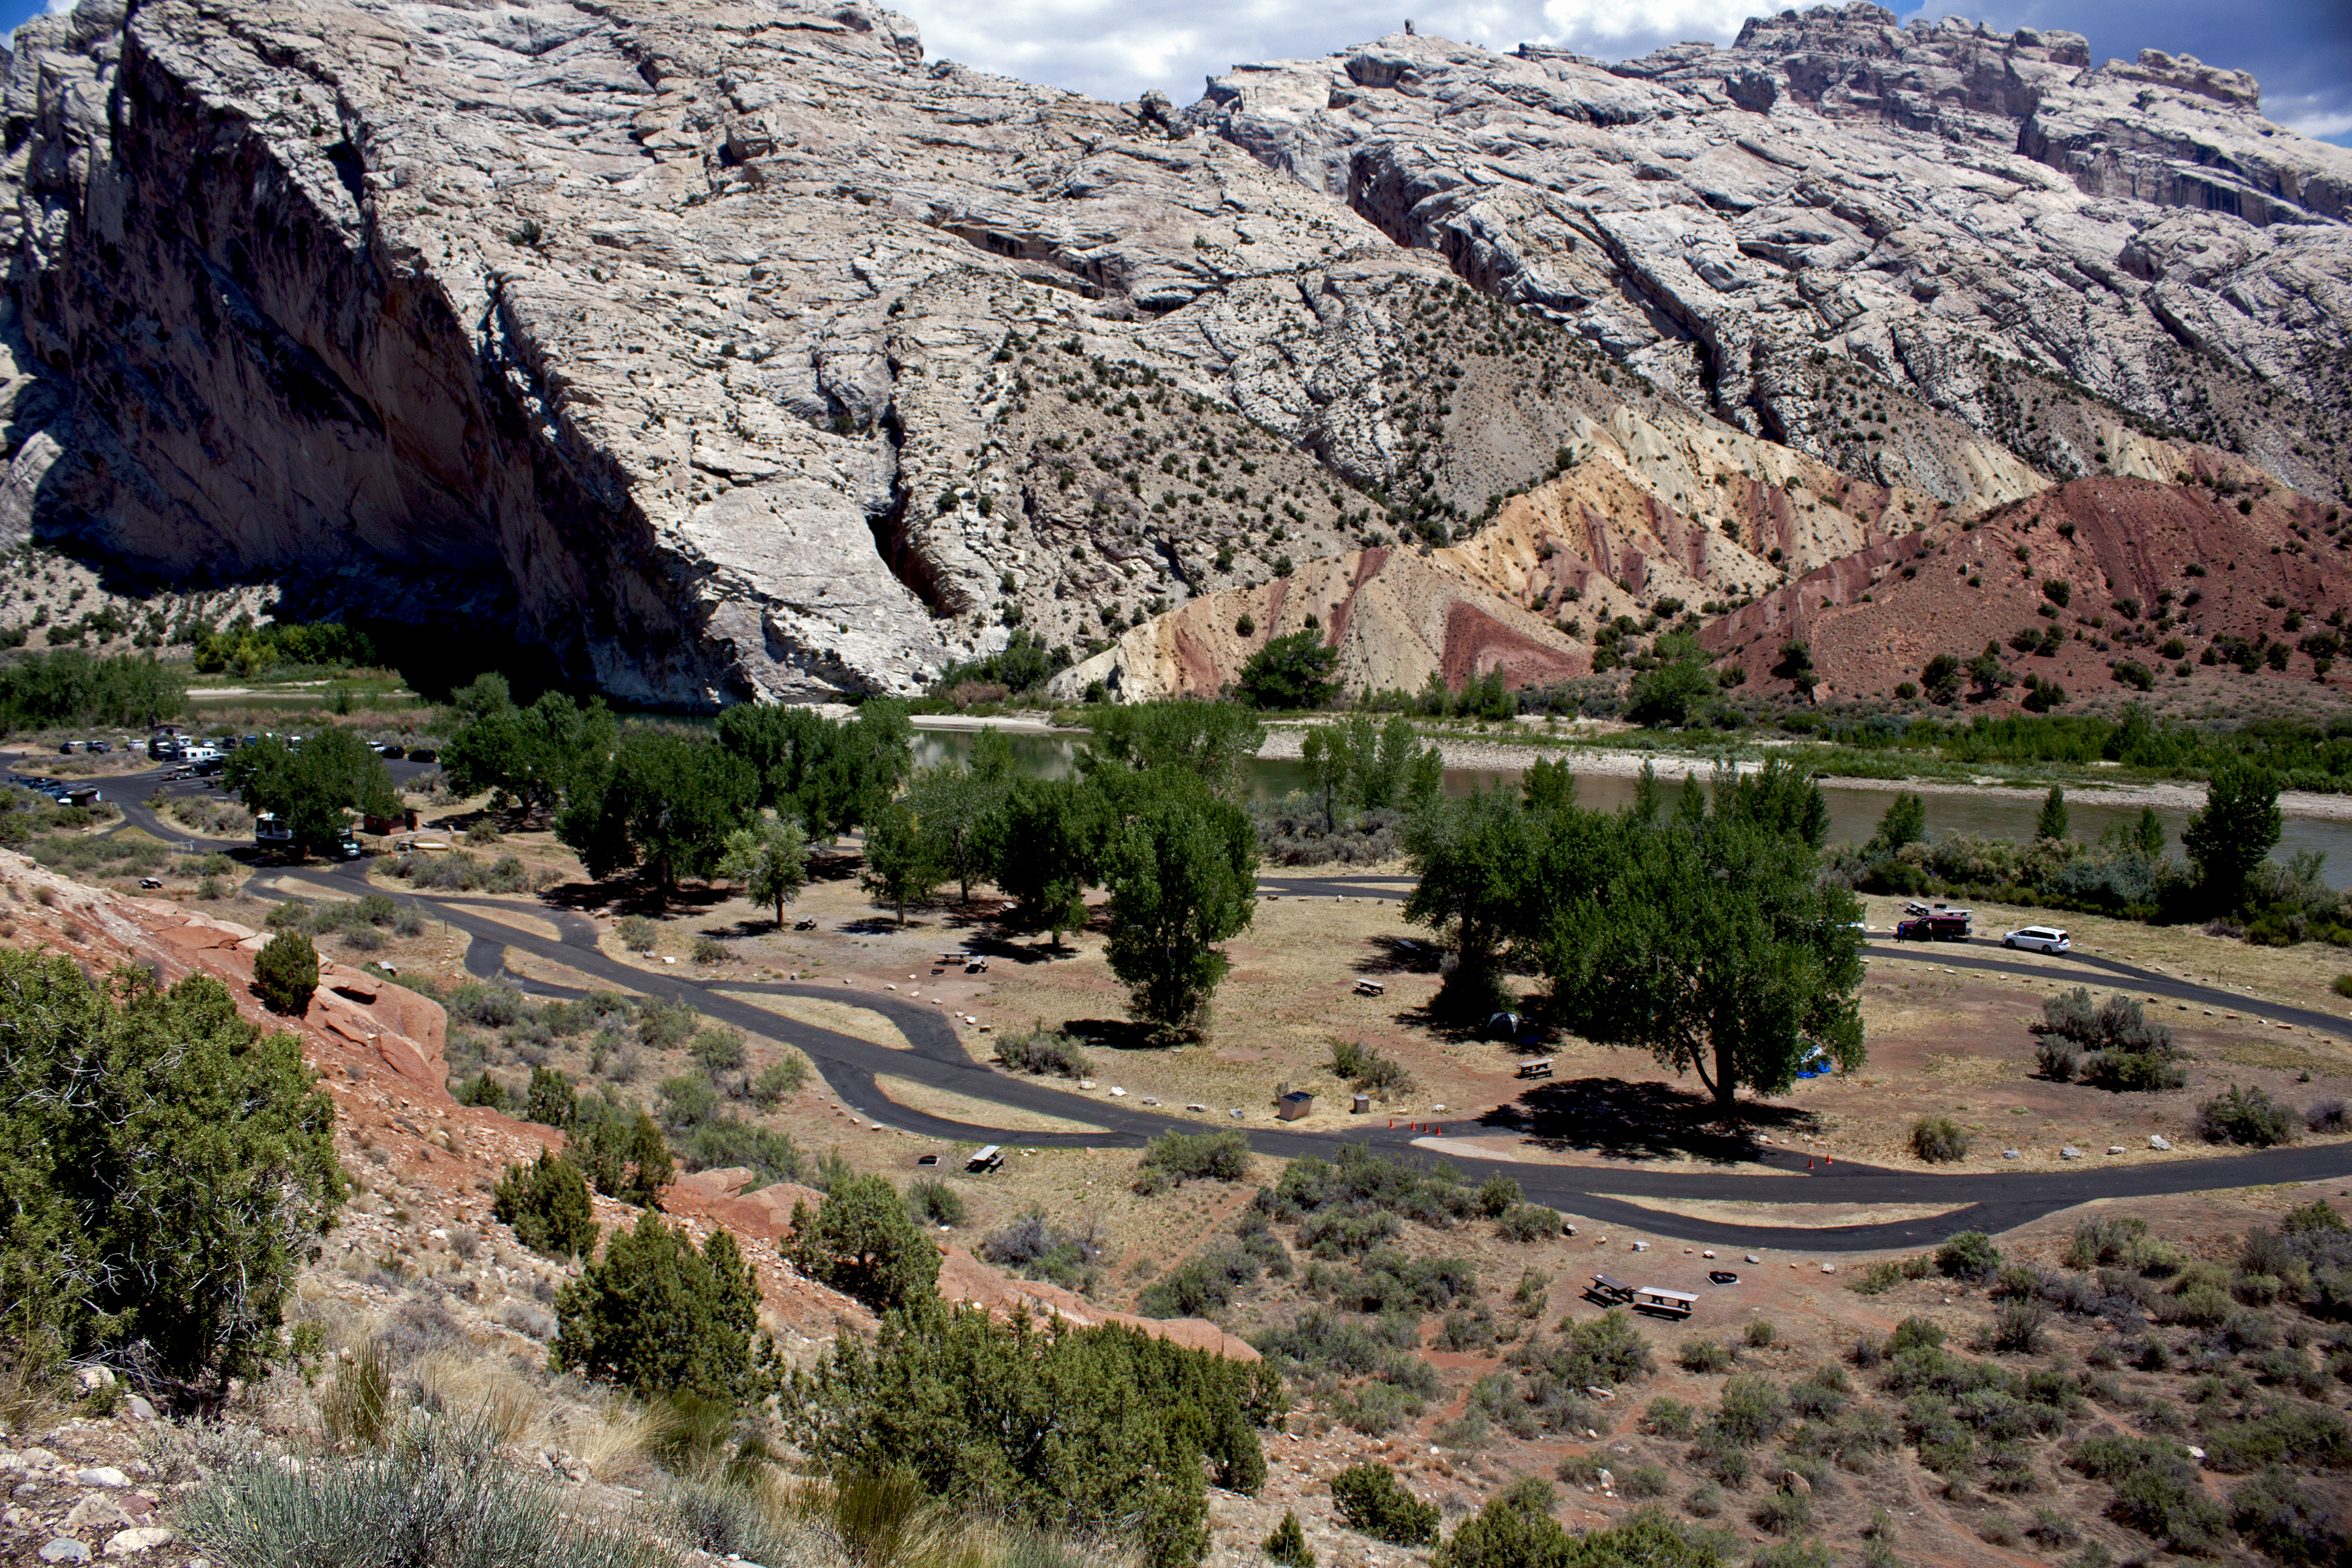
[(1939, 1139), (2243, 1116)]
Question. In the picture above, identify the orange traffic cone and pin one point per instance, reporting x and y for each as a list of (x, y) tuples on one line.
[(1809, 1162)]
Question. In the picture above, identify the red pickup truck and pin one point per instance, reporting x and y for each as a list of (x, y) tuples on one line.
[(1944, 925)]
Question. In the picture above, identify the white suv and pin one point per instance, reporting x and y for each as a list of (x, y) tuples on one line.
[(2046, 938)]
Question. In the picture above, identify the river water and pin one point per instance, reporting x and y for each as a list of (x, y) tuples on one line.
[(1854, 808)]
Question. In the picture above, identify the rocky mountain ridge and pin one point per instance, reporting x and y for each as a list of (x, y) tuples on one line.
[(738, 351)]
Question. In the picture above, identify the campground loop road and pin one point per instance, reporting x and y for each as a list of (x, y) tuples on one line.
[(1990, 1201)]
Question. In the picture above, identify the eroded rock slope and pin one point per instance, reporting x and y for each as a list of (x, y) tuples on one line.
[(738, 351)]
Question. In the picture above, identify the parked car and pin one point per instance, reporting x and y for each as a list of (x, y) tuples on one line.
[(1949, 926), (2037, 938), (268, 830)]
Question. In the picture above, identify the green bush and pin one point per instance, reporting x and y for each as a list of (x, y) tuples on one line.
[(551, 1101), (2281, 1433), (285, 973), (637, 933), (1669, 1418), (657, 1315), (1287, 1545), (933, 1202), (442, 1495), (167, 1166), (861, 1242), (1526, 1223), (1044, 1050), (1705, 1357), (1938, 1139), (1174, 1158), (485, 1091), (1969, 1255), (2287, 1525), (2158, 1492), (1761, 1334), (779, 1081), (1371, 1500), (1643, 1480), (1785, 1512), (2245, 1116), (955, 1399), (548, 1206), (1752, 1410), (1602, 1352), (2343, 983)]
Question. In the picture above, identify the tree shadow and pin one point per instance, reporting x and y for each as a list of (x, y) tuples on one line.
[(1398, 955), (833, 865), (878, 925), (1648, 1121), (1112, 1034)]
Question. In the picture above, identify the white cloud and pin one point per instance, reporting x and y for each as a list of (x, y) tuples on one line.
[(1114, 48), (59, 8)]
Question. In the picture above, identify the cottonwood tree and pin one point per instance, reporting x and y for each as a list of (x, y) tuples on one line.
[(1714, 947), (960, 812), (771, 859), (902, 865), (312, 788), (1182, 874), (1292, 671), (663, 803), (2232, 835), (533, 756), (1212, 740), (1474, 858), (2052, 822), (1047, 856)]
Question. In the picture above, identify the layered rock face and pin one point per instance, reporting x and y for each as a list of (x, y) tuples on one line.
[(735, 351), (1911, 199)]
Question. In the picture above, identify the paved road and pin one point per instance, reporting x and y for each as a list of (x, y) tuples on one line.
[(939, 1055)]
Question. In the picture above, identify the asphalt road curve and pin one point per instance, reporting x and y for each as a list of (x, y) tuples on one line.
[(1610, 1196)]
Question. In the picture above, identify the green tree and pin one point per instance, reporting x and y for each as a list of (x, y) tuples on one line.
[(1714, 948), (771, 859), (551, 1101), (2148, 833), (1679, 687), (1212, 740), (166, 1169), (1047, 857), (960, 812), (664, 802), (2234, 834), (1796, 664), (622, 1156), (312, 788), (2052, 822), (1475, 859), (1940, 678), (534, 756), (902, 864), (861, 1242), (1903, 822), (1986, 671), (74, 687), (1324, 756), (1293, 671), (1182, 874), (1098, 1433), (655, 1315), (1287, 1545), (547, 1205), (1778, 797), (285, 974)]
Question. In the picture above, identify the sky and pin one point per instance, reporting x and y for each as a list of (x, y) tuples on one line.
[(2300, 51)]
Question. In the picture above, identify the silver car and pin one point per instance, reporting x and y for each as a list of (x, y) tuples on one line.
[(2037, 938)]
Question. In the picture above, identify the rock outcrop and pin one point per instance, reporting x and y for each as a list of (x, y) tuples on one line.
[(1938, 204), (736, 351)]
